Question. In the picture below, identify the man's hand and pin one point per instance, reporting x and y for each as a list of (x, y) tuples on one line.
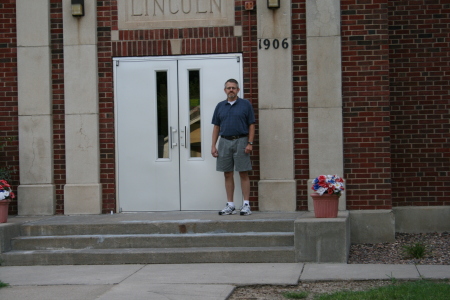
[(248, 149), (214, 151)]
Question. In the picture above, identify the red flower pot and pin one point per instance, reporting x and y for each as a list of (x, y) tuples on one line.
[(4, 204), (325, 206)]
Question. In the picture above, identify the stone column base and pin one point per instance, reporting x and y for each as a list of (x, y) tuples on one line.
[(36, 199), (81, 199), (322, 240), (277, 195)]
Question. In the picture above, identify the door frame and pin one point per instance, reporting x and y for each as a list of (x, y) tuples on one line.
[(116, 62)]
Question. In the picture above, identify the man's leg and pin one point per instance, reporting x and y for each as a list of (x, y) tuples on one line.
[(245, 184), (229, 185)]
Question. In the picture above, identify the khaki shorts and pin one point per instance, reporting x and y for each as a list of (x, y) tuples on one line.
[(232, 155)]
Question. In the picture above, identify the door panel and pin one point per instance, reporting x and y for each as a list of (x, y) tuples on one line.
[(147, 178), (164, 107), (202, 187)]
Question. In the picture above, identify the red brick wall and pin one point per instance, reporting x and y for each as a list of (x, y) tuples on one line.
[(247, 19), (300, 99), (365, 70), (57, 56), (9, 153), (395, 64), (419, 52), (106, 18)]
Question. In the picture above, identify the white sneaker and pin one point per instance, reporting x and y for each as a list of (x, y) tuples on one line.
[(228, 210), (245, 210)]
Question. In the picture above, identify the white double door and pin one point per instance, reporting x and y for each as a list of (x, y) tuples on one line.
[(164, 107)]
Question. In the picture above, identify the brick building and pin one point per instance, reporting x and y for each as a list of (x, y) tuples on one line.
[(112, 109)]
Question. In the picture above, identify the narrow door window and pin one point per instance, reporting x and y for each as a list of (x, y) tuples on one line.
[(195, 135), (162, 113)]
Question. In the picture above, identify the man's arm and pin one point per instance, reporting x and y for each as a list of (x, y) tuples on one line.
[(215, 137), (251, 137)]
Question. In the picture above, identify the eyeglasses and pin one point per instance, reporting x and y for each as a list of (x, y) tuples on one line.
[(231, 88)]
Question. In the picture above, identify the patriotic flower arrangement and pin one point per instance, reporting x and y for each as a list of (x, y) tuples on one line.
[(5, 191), (328, 184)]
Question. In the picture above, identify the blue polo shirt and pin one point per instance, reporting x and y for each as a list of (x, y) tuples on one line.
[(233, 119)]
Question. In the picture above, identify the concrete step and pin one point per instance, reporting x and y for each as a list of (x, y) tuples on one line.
[(161, 238), (150, 256), (250, 239), (155, 227), (175, 237)]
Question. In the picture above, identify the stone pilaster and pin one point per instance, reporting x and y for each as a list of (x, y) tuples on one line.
[(36, 191), (323, 38), (82, 193), (277, 186)]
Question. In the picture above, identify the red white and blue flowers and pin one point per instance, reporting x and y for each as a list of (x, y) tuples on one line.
[(328, 184), (5, 191)]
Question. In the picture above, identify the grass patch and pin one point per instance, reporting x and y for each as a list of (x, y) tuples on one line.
[(418, 250), (295, 295), (2, 284), (414, 290)]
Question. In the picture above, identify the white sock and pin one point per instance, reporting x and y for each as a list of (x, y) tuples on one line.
[(231, 204), (247, 202)]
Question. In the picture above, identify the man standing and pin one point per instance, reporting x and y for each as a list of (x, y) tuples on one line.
[(234, 122)]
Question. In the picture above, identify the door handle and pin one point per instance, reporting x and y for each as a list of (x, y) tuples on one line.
[(172, 143), (183, 142)]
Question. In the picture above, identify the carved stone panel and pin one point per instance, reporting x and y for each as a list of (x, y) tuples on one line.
[(153, 14)]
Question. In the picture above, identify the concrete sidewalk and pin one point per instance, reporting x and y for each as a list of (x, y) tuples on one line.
[(188, 281)]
